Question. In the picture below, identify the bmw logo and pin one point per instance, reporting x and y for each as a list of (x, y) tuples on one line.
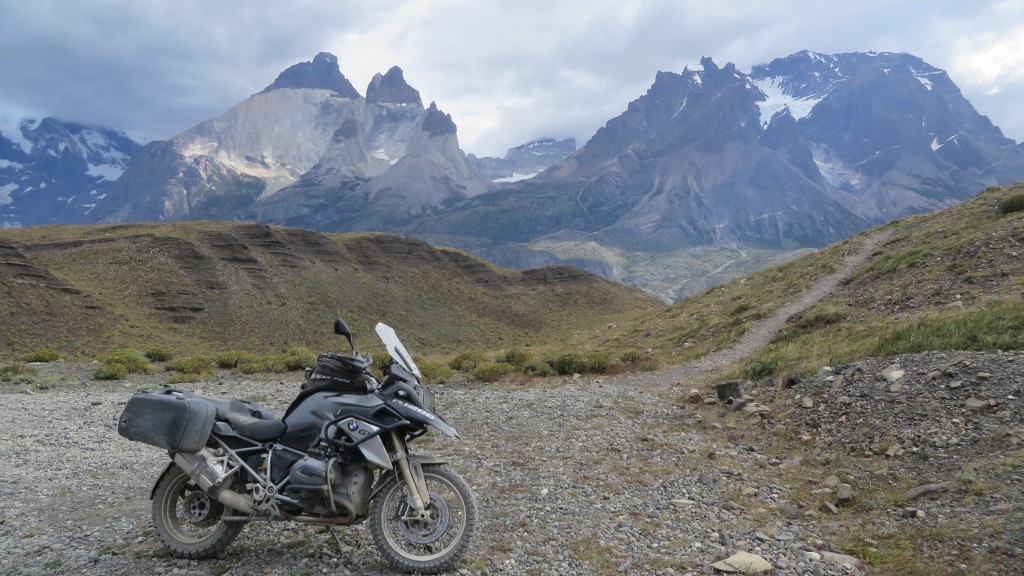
[(353, 425)]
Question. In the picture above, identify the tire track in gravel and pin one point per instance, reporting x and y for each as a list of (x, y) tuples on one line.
[(763, 332)]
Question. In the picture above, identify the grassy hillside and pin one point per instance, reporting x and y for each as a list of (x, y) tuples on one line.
[(953, 279), (204, 287)]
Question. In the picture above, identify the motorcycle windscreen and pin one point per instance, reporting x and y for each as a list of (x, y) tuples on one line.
[(396, 349)]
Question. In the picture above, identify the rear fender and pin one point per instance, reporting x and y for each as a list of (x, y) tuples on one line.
[(167, 470)]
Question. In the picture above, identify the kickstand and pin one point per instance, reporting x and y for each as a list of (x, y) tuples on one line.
[(337, 540)]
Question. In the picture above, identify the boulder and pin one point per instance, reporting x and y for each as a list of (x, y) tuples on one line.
[(730, 390), (743, 563)]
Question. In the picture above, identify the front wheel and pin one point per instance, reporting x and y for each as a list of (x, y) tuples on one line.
[(188, 521), (431, 545)]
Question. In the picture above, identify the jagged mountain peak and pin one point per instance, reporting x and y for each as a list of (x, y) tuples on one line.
[(437, 123), (391, 88), (322, 72)]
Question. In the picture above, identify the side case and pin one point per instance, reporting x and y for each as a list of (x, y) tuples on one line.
[(170, 419)]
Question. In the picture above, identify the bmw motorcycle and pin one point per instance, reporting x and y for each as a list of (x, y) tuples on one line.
[(338, 456)]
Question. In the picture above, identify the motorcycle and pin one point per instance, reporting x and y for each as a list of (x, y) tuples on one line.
[(338, 456)]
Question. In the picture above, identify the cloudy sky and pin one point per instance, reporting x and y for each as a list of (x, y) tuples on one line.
[(507, 72)]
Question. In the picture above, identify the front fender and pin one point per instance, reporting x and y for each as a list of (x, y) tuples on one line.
[(420, 459), (416, 414)]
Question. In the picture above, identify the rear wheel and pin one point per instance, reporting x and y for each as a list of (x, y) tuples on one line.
[(188, 521), (429, 545)]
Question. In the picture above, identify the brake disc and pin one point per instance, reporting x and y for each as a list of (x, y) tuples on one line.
[(430, 530), (197, 506)]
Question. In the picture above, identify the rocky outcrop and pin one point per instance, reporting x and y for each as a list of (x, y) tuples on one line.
[(321, 73)]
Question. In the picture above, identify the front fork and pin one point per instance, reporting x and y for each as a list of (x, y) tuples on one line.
[(412, 474)]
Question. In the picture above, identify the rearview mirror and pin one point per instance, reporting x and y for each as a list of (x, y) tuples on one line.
[(341, 329)]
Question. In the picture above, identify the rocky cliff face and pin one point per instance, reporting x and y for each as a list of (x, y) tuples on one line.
[(298, 151)]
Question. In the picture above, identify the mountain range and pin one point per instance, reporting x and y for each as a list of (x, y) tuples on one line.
[(796, 153)]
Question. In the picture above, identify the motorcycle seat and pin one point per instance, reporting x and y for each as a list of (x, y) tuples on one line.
[(256, 428), (242, 419)]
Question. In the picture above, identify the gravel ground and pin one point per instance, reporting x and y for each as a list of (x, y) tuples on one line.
[(572, 476)]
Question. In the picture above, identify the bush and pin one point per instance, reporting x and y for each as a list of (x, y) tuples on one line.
[(263, 365), (592, 363), (158, 354), (17, 373), (298, 358), (40, 355), (761, 368), (191, 365), (435, 372), (182, 378), (538, 368), (490, 371), (515, 357), (111, 371), (1013, 203), (467, 361), (120, 363), (232, 358)]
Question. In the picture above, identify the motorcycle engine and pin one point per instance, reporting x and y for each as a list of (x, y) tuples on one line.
[(349, 488)]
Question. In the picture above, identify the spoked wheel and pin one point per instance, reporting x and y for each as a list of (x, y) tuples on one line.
[(188, 521), (425, 545)]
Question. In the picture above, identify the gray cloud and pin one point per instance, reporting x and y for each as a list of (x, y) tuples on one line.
[(506, 72)]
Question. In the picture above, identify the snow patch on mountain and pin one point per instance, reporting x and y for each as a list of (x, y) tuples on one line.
[(776, 99), (105, 171), (515, 177), (835, 171)]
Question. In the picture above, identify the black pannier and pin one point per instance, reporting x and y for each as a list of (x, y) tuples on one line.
[(339, 373), (171, 419)]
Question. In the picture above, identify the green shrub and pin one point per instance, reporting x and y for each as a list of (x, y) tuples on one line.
[(158, 354), (435, 372), (759, 368), (17, 373), (184, 377), (490, 371), (263, 365), (538, 368), (111, 371), (515, 357), (120, 363), (1013, 203), (232, 358), (592, 363), (40, 355), (191, 364), (298, 358), (467, 361)]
